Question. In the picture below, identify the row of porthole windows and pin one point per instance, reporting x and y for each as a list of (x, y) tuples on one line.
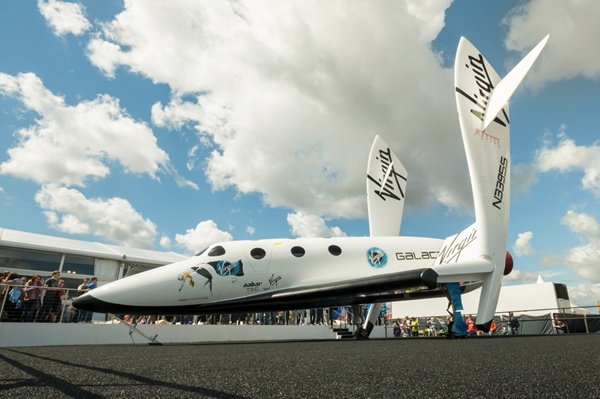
[(259, 253)]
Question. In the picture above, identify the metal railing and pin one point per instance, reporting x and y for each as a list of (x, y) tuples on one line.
[(62, 311)]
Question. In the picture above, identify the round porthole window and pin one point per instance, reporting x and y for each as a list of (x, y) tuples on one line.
[(258, 253), (335, 250), (298, 252)]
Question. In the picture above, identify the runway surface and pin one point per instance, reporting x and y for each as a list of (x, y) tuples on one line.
[(506, 367)]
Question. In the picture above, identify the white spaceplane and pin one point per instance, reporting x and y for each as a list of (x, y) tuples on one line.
[(303, 273)]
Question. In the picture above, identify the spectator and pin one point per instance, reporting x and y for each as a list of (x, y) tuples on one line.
[(514, 324), (471, 325), (397, 328), (434, 325), (81, 289), (493, 327), (414, 326), (12, 294), (32, 299), (51, 300), (62, 293), (449, 324), (84, 315), (405, 328), (559, 326)]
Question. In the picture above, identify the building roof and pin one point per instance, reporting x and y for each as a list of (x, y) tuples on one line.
[(39, 242)]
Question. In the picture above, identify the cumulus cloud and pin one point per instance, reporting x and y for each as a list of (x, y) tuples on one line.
[(113, 219), (204, 234), (584, 259), (585, 295), (70, 144), (64, 17), (287, 97), (566, 156), (165, 242), (522, 245), (304, 225), (521, 277), (572, 36)]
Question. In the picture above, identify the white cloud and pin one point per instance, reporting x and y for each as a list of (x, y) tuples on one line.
[(522, 245), (290, 95), (521, 276), (204, 234), (582, 223), (70, 144), (250, 230), (570, 52), (584, 259), (567, 156), (64, 17), (585, 295), (304, 225), (431, 20), (165, 242), (114, 219)]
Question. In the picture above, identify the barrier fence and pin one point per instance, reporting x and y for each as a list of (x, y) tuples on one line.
[(55, 305)]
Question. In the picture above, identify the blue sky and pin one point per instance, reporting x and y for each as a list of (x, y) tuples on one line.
[(173, 126)]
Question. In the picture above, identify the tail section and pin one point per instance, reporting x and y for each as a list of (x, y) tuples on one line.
[(479, 252), (386, 188)]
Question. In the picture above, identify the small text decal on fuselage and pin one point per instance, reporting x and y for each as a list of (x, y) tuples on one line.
[(253, 286), (452, 252), (274, 280), (500, 182), (417, 255)]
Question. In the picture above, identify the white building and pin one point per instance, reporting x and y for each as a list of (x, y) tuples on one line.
[(28, 254), (536, 299)]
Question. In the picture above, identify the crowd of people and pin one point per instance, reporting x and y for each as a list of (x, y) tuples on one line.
[(411, 327), (320, 316), (32, 299), (28, 299)]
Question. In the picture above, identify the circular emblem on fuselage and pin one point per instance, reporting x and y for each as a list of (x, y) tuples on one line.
[(376, 257)]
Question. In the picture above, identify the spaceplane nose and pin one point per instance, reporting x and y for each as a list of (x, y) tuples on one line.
[(90, 303)]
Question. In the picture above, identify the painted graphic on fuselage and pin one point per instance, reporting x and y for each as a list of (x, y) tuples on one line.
[(227, 268), (186, 276), (223, 268), (376, 257)]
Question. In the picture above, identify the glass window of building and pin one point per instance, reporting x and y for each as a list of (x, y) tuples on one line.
[(78, 265), (11, 259)]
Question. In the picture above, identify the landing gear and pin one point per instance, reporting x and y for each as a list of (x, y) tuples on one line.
[(364, 331)]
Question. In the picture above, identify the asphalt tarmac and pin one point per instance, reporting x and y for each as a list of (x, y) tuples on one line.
[(504, 367)]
